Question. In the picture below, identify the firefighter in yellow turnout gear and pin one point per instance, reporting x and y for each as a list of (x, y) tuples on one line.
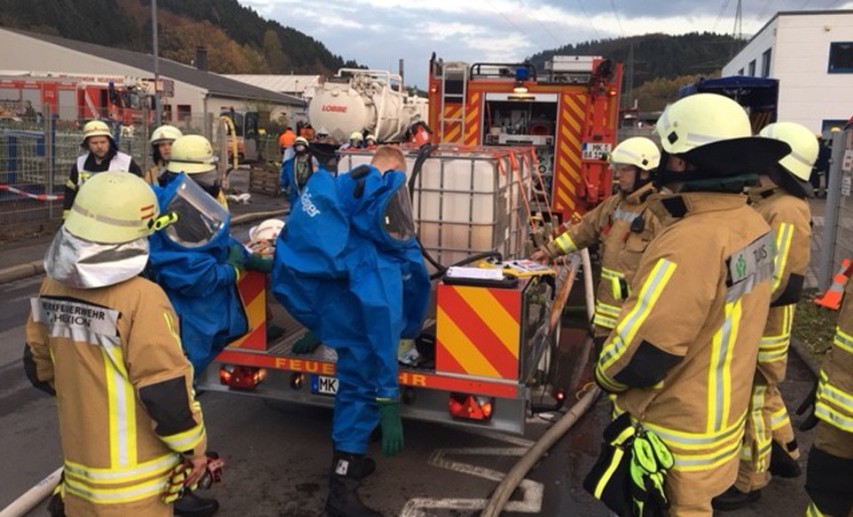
[(829, 475), (622, 225), (682, 356), (769, 444), (105, 341)]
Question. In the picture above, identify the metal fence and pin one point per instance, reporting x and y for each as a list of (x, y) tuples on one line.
[(37, 153)]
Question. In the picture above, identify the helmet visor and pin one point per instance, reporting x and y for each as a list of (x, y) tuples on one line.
[(397, 220), (200, 217)]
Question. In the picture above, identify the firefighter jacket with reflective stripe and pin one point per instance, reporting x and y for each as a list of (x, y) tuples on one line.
[(624, 227), (835, 389), (789, 219), (123, 386), (682, 356)]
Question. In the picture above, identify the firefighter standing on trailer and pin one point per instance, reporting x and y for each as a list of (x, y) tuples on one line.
[(769, 445), (101, 155), (161, 150), (348, 267), (106, 340), (622, 225), (829, 474), (682, 356)]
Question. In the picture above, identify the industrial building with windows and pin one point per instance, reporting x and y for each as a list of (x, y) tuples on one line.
[(811, 54)]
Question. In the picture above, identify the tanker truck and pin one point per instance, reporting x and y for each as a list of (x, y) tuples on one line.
[(371, 101)]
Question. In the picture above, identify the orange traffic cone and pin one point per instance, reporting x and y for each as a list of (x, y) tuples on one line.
[(831, 299)]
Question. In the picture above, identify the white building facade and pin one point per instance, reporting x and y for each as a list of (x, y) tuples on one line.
[(811, 54)]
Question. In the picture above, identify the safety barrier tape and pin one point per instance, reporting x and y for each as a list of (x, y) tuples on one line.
[(38, 197)]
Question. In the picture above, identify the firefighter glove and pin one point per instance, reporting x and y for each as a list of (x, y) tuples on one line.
[(176, 483), (391, 425), (256, 262), (306, 344)]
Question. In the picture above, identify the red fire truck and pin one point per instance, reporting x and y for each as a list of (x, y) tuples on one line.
[(81, 97)]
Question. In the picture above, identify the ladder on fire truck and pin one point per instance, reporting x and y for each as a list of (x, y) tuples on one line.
[(454, 88)]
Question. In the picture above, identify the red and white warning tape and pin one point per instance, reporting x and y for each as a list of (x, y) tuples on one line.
[(39, 197)]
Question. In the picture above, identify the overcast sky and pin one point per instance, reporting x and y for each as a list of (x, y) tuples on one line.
[(377, 33)]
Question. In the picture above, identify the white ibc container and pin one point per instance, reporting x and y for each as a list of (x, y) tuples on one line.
[(466, 201)]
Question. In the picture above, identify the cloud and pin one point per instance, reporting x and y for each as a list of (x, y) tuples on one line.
[(378, 32)]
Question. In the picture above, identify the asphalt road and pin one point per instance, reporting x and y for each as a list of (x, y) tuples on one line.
[(278, 454)]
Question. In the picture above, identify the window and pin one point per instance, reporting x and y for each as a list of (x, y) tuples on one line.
[(740, 72), (765, 63), (752, 68), (167, 112), (841, 58), (185, 112), (828, 125)]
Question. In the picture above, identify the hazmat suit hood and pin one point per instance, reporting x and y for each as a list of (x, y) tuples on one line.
[(81, 264)]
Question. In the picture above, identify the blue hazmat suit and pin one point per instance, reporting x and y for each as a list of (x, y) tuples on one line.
[(355, 286), (201, 286)]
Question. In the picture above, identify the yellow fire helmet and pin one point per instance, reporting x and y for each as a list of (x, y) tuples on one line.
[(804, 147), (699, 120), (112, 207), (638, 151), (95, 128), (192, 154), (356, 135), (165, 133)]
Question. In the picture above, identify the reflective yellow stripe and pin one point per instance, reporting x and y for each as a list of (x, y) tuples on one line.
[(71, 185), (627, 329), (834, 405), (779, 419), (604, 322), (614, 462), (121, 401), (565, 242), (610, 310), (129, 494), (762, 437), (608, 383), (106, 476), (719, 373), (170, 325), (814, 511), (843, 340), (186, 440), (615, 278), (784, 234), (699, 441)]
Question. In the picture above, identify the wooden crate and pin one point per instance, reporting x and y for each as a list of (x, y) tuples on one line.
[(264, 179)]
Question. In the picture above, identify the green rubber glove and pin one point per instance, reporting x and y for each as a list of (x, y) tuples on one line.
[(236, 257), (391, 425), (306, 344), (256, 262)]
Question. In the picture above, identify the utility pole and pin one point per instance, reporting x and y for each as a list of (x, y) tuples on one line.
[(629, 87), (158, 113)]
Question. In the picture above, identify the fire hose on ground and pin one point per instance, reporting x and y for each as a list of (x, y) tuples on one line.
[(510, 482), (32, 497)]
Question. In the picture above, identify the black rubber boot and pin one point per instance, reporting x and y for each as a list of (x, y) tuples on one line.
[(191, 505), (733, 499), (363, 467), (344, 480), (781, 463)]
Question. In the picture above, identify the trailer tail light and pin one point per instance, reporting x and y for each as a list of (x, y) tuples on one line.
[(241, 377), (470, 407), (297, 380)]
